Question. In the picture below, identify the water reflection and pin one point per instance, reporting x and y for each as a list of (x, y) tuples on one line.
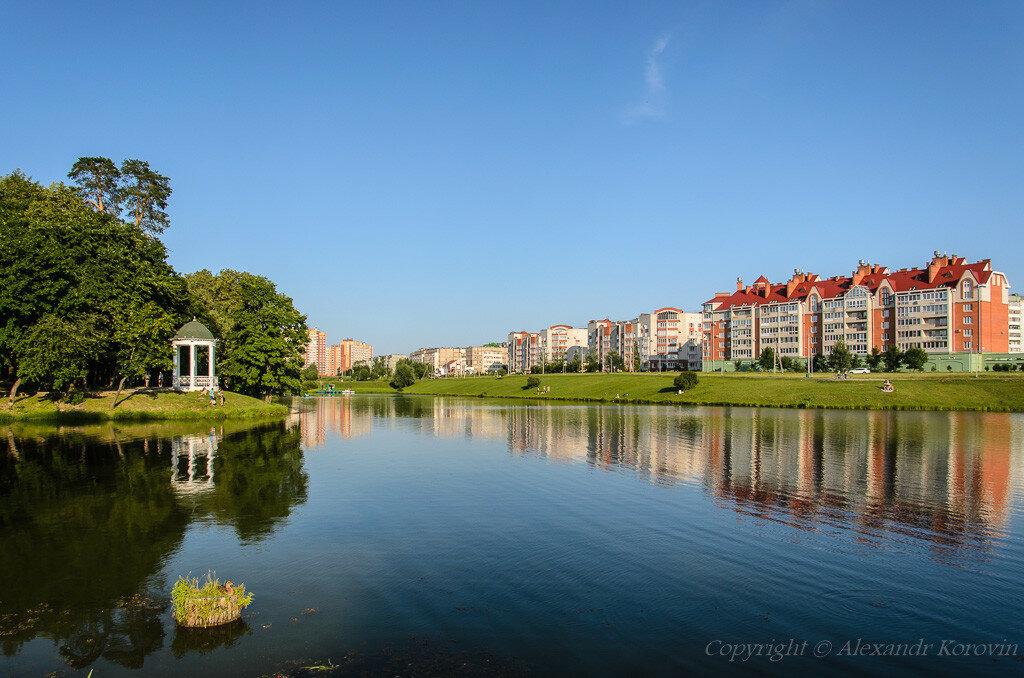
[(945, 478), (88, 516)]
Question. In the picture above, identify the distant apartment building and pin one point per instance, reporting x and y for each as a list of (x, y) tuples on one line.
[(482, 359), (524, 351), (354, 353), (333, 360), (436, 357), (557, 339), (666, 339), (316, 351), (946, 306), (391, 359), (1015, 308), (603, 338)]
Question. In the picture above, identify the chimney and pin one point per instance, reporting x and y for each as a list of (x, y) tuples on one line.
[(798, 277), (739, 284), (936, 264), (862, 270)]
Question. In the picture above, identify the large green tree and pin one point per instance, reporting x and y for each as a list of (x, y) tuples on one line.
[(97, 181), (145, 193), (100, 284), (262, 333), (892, 358)]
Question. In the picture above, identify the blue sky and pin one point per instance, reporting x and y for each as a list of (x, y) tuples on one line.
[(440, 173)]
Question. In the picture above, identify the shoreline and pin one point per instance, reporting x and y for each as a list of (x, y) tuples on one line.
[(915, 393), (148, 405)]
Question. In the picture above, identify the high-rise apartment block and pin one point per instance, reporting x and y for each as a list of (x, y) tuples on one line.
[(946, 306), (316, 351), (335, 359)]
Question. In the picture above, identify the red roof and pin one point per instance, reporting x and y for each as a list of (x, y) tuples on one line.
[(950, 272)]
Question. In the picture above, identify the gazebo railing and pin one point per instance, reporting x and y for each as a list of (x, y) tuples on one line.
[(187, 382)]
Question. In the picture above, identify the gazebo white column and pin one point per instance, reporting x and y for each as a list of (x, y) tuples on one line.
[(196, 337)]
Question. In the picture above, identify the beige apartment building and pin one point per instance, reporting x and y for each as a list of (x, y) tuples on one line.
[(482, 359), (556, 340), (666, 339), (436, 357), (391, 359)]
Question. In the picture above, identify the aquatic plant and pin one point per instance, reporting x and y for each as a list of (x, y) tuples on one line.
[(208, 603)]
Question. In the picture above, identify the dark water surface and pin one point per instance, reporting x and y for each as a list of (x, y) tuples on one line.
[(419, 536)]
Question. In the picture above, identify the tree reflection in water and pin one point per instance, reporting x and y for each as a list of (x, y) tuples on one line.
[(88, 516)]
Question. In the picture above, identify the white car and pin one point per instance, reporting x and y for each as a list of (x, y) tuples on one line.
[(860, 370)]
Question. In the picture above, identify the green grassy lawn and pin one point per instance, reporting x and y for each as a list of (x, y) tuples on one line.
[(926, 391), (139, 404)]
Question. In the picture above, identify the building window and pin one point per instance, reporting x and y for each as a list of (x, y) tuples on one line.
[(968, 289), (968, 320), (967, 345), (968, 307)]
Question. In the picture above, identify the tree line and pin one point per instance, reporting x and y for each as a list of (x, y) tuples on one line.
[(840, 359), (88, 299)]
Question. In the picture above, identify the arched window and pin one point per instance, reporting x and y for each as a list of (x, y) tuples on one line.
[(968, 289)]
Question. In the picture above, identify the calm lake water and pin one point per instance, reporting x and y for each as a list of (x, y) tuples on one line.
[(436, 536)]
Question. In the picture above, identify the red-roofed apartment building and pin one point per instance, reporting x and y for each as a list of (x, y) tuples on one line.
[(948, 306)]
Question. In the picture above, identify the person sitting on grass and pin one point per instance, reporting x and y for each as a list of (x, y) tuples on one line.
[(887, 387)]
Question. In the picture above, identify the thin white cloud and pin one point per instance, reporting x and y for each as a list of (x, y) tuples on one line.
[(653, 105)]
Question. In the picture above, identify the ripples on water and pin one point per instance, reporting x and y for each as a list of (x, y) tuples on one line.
[(390, 532)]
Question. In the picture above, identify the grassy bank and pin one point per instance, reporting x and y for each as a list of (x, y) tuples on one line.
[(913, 391), (138, 404)]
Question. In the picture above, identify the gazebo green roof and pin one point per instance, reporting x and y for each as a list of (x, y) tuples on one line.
[(193, 329)]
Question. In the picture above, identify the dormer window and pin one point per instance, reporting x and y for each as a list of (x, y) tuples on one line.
[(968, 289)]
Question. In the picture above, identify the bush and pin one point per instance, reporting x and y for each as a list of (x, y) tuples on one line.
[(684, 381), (532, 382), (404, 377), (310, 372)]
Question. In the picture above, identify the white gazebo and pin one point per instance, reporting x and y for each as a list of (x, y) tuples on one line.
[(189, 344)]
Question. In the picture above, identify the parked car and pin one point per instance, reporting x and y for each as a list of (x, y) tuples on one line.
[(860, 370)]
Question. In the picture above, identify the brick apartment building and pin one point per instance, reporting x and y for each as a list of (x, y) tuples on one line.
[(947, 306)]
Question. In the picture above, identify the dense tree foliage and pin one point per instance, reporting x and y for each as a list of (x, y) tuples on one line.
[(88, 298), (767, 359), (892, 358), (262, 335), (83, 295), (840, 357), (915, 358), (404, 377), (684, 381)]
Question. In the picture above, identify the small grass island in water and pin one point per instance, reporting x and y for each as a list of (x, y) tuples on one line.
[(208, 603)]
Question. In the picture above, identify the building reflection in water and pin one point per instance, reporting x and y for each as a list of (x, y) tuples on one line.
[(946, 478)]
